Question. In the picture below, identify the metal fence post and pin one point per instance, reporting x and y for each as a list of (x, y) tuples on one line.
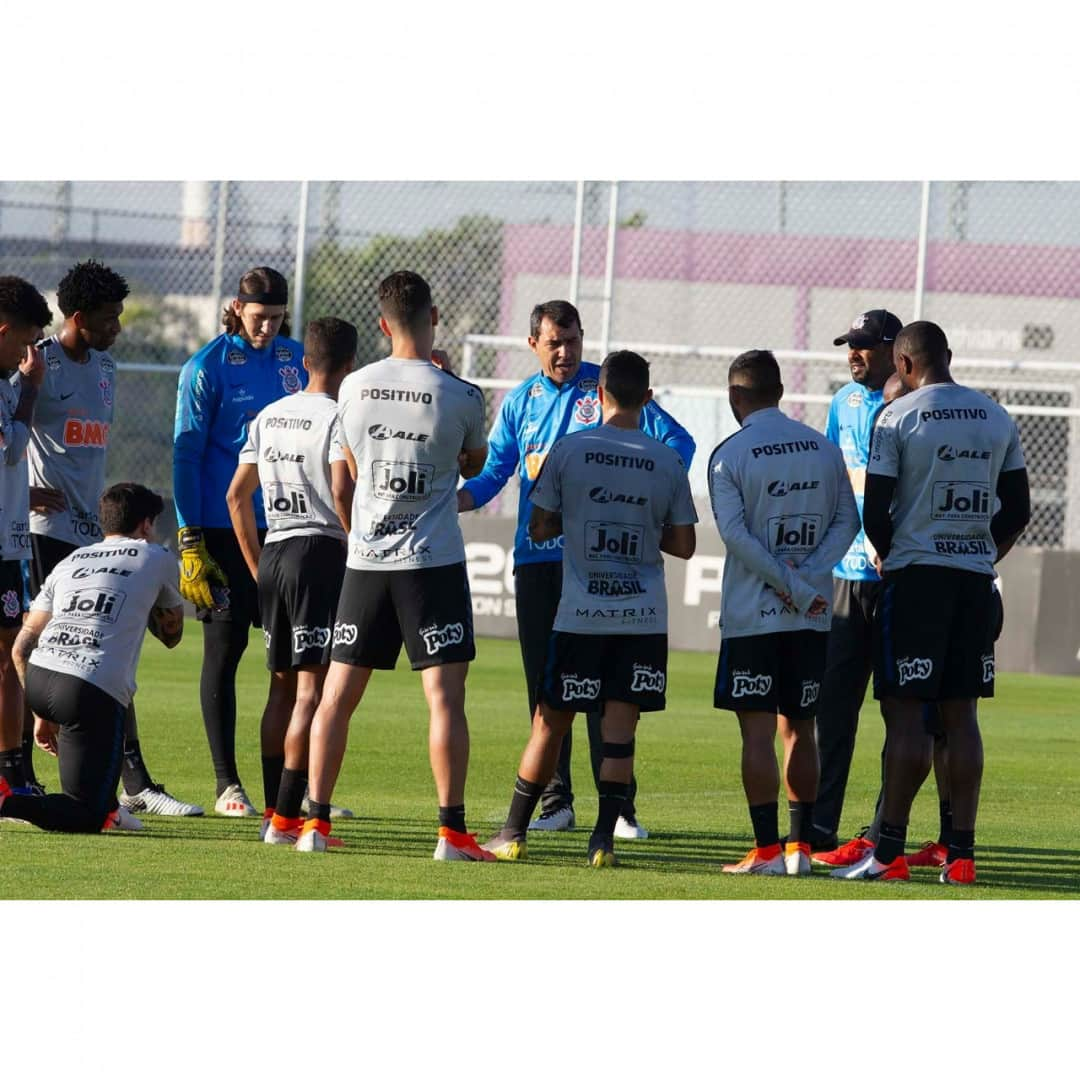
[(575, 251), (217, 281), (301, 258), (609, 268), (920, 258)]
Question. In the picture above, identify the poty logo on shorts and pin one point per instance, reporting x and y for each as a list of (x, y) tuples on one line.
[(438, 637), (751, 685), (105, 386), (648, 679), (576, 688), (810, 691), (344, 633), (987, 663), (290, 378), (310, 637), (914, 670), (11, 604), (586, 410)]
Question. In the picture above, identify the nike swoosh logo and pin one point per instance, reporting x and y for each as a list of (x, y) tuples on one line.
[(64, 397)]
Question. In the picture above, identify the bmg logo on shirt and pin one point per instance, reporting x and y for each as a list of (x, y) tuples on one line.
[(101, 604), (612, 541), (402, 481), (791, 534), (961, 500)]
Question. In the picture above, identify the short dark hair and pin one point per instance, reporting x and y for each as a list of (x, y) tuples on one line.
[(88, 286), (329, 344), (925, 343), (260, 279), (560, 312), (123, 506), (625, 377), (404, 298), (757, 373), (22, 304)]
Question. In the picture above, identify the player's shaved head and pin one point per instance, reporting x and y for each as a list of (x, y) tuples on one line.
[(925, 343), (405, 300), (624, 375), (756, 374), (329, 345)]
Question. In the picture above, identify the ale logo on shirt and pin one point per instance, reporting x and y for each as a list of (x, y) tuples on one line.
[(290, 378)]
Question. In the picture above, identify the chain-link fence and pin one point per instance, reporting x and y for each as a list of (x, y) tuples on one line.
[(689, 273)]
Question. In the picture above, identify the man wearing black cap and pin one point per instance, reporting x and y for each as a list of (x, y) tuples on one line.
[(856, 584)]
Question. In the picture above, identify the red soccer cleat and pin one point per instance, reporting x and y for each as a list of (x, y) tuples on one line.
[(846, 854), (958, 872), (930, 854)]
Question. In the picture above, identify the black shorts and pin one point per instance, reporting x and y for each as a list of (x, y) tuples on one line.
[(243, 607), (779, 672), (12, 594), (46, 552), (934, 634), (429, 609), (585, 670), (299, 584)]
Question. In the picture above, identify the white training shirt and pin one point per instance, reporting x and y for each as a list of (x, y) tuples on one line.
[(294, 441), (100, 599)]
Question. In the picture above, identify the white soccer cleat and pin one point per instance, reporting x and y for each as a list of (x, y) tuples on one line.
[(156, 800), (122, 820), (233, 802), (311, 837), (797, 860), (270, 835), (335, 811), (628, 828), (767, 860), (554, 820)]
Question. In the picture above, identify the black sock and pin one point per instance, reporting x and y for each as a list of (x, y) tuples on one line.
[(223, 646), (11, 767), (890, 844), (612, 798), (133, 771), (802, 822), (961, 844), (526, 796), (320, 810), (763, 817), (453, 817), (271, 771), (29, 777), (291, 792), (945, 832)]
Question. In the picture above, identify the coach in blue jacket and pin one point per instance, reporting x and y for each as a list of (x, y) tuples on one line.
[(560, 398)]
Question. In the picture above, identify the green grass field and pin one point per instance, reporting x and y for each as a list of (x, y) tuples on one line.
[(690, 798)]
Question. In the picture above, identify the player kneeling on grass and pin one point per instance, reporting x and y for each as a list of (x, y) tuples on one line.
[(407, 427), (786, 513), (77, 653), (293, 451), (620, 498)]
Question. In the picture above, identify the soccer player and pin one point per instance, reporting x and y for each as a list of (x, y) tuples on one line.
[(620, 498), (560, 398), (940, 455), (293, 452), (77, 653), (856, 584), (24, 314), (785, 511), (407, 428), (68, 442), (222, 388)]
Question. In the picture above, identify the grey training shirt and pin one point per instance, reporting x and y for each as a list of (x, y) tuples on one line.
[(780, 494), (616, 489), (14, 477), (100, 598), (406, 422), (945, 445)]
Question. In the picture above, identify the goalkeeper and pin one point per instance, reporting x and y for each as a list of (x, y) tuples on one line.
[(221, 389)]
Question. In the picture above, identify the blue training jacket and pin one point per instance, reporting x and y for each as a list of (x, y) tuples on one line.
[(533, 416), (221, 389), (850, 426)]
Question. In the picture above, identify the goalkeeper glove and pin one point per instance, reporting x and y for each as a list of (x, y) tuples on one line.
[(200, 575)]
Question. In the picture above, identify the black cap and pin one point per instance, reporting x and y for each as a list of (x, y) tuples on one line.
[(871, 328)]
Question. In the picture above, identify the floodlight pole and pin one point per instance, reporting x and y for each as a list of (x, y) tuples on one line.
[(609, 268)]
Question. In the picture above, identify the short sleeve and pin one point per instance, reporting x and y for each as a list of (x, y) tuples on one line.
[(1014, 455), (547, 491), (249, 454), (336, 450), (885, 447), (168, 594), (44, 599), (682, 510), (475, 429)]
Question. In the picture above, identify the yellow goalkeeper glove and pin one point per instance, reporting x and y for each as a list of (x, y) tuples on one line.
[(199, 573)]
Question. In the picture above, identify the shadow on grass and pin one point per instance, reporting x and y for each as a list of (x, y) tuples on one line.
[(677, 853)]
